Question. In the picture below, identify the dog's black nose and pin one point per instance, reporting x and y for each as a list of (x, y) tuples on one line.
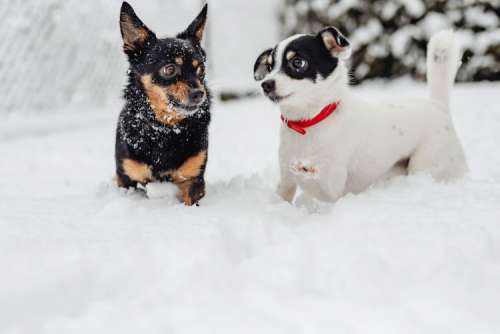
[(269, 86), (196, 96)]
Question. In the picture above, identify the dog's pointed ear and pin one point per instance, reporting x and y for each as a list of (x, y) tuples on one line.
[(196, 29), (336, 43), (135, 34), (262, 65)]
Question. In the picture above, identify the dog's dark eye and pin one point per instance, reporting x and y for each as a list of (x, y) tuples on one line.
[(169, 71), (299, 64)]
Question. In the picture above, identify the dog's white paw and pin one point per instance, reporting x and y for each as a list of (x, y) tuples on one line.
[(304, 170)]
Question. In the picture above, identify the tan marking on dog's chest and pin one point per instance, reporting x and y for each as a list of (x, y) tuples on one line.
[(137, 171), (164, 111)]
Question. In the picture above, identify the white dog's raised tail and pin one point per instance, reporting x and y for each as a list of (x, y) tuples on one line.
[(443, 60)]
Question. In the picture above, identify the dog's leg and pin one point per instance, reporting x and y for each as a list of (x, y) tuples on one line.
[(335, 185), (197, 189), (443, 159), (192, 190), (123, 181), (286, 190), (287, 186)]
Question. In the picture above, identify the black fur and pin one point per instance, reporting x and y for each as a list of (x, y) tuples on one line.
[(261, 68), (140, 135), (312, 50)]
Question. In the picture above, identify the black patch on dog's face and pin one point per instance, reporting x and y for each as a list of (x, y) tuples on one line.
[(306, 57)]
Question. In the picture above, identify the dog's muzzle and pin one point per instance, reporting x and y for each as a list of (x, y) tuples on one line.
[(269, 87)]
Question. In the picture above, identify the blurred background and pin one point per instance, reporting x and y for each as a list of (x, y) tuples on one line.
[(57, 55)]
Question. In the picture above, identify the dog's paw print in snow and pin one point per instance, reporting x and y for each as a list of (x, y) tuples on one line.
[(304, 169)]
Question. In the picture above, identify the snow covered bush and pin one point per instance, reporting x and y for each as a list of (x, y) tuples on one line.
[(390, 36)]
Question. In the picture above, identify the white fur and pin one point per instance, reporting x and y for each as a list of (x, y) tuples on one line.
[(363, 141), (443, 62)]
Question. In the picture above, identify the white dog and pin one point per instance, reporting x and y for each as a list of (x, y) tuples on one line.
[(334, 142)]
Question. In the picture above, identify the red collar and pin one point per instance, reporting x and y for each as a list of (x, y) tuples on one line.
[(300, 126)]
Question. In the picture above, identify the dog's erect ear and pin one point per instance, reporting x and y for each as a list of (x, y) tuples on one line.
[(335, 42), (197, 27), (135, 34), (262, 65)]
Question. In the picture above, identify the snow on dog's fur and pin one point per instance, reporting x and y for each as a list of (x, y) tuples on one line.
[(363, 141)]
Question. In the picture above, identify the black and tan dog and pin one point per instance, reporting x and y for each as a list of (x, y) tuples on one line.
[(162, 132)]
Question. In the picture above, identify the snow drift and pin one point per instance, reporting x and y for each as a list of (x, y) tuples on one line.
[(79, 256)]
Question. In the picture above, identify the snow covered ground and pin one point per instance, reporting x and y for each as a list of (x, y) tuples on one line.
[(79, 256)]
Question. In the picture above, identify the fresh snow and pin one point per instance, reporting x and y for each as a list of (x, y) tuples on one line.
[(80, 256)]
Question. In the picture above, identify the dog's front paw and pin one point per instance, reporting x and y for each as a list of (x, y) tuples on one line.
[(304, 170), (195, 197), (192, 191)]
